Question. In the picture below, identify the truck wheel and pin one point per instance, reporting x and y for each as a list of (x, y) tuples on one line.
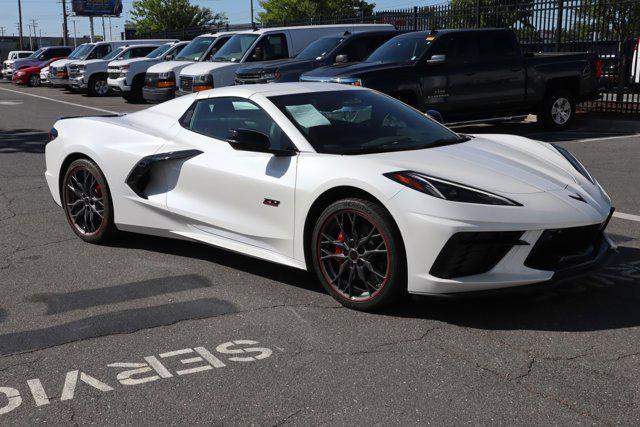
[(558, 110), (135, 95), (98, 86)]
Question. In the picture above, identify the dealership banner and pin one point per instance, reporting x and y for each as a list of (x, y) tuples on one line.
[(97, 7)]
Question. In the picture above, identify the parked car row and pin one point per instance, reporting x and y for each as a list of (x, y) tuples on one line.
[(463, 75)]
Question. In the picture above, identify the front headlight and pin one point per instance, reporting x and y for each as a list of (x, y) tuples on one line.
[(448, 190), (124, 70), (271, 77), (167, 75), (203, 82), (575, 163), (202, 79), (19, 73)]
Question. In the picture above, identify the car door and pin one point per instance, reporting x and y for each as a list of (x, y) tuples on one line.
[(243, 196)]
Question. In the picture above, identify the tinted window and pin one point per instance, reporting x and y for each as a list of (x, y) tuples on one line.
[(81, 51), (100, 51), (359, 121), (358, 48), (498, 45), (235, 48), (465, 47), (138, 52), (319, 48), (216, 117), (114, 54), (270, 47), (215, 47), (24, 55), (401, 49), (159, 51)]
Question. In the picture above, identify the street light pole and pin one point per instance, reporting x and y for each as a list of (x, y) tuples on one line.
[(252, 23), (75, 43), (20, 22), (65, 30)]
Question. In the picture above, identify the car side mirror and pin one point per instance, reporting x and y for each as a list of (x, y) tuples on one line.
[(435, 115), (437, 59), (168, 57), (249, 140), (341, 59), (41, 57), (258, 53)]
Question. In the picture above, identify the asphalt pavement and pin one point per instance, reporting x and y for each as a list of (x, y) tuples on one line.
[(155, 331)]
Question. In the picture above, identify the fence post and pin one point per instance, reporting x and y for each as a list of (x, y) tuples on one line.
[(415, 18), (559, 25), (478, 13)]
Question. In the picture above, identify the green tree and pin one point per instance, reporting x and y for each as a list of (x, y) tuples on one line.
[(298, 10), (493, 13), (160, 15)]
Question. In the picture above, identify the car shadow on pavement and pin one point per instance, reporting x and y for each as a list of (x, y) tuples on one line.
[(268, 270), (78, 300), (118, 322), (607, 300), (22, 141)]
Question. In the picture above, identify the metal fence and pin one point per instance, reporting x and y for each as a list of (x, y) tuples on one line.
[(610, 28)]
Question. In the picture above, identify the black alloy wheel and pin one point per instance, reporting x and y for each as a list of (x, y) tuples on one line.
[(34, 80), (358, 255), (87, 202)]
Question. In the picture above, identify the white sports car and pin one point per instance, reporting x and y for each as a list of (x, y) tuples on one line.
[(372, 195)]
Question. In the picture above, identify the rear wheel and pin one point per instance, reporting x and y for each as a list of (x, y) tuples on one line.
[(558, 110), (357, 254), (34, 80), (87, 202), (98, 86)]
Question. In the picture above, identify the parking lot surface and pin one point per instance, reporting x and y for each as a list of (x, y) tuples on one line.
[(156, 331)]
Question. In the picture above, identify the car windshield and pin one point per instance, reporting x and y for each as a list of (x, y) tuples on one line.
[(235, 48), (85, 52), (36, 53), (159, 51), (319, 48), (195, 49), (401, 49), (114, 54), (360, 122), (79, 51)]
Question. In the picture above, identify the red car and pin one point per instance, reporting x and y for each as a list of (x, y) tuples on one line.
[(31, 76)]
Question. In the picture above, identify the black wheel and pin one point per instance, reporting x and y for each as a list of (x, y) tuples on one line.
[(135, 95), (558, 110), (358, 255), (34, 80), (87, 202), (98, 86)]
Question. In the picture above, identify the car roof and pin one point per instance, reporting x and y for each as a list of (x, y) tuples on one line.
[(449, 30), (247, 91), (307, 27)]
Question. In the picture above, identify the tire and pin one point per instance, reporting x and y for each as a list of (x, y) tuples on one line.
[(82, 199), (365, 276), (558, 110), (135, 95), (34, 81), (98, 86)]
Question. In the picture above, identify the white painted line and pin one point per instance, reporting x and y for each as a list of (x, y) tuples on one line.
[(61, 102), (626, 216), (607, 138)]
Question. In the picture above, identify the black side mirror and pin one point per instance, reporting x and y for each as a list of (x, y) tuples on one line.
[(258, 53), (435, 115), (168, 57), (249, 140), (341, 59), (437, 59)]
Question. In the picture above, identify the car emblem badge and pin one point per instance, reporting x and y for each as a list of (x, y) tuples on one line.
[(578, 197)]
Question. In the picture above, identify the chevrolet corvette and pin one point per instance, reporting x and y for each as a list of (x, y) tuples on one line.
[(374, 197)]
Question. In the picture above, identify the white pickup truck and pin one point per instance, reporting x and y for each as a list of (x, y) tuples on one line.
[(127, 76), (91, 74), (160, 81), (265, 44)]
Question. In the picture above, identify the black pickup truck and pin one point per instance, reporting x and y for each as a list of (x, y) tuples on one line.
[(473, 75)]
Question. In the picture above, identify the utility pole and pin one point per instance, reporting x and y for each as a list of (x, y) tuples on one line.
[(110, 33), (2, 32), (104, 31), (253, 25), (30, 39), (65, 29), (91, 26), (75, 43), (20, 22), (33, 24)]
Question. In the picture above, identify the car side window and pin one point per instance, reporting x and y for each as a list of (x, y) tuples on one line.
[(100, 51), (358, 48), (216, 117), (498, 45), (465, 48), (270, 47), (137, 52)]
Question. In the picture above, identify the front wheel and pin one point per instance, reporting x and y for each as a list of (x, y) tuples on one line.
[(558, 110), (358, 254), (98, 86), (34, 80), (87, 202)]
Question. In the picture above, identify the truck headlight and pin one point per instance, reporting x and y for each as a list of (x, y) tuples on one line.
[(124, 70), (203, 82), (271, 77)]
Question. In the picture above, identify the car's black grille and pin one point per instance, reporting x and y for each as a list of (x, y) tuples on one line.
[(113, 75), (469, 253), (245, 79), (186, 83), (565, 247)]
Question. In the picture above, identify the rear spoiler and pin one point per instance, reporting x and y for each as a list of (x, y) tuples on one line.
[(93, 115)]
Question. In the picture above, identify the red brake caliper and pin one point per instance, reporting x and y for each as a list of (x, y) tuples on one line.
[(339, 250)]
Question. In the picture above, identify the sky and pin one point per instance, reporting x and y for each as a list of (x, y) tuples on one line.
[(48, 15)]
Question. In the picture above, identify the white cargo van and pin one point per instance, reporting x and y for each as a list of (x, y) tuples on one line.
[(258, 45)]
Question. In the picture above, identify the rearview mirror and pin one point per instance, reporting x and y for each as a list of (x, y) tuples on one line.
[(437, 59), (341, 59)]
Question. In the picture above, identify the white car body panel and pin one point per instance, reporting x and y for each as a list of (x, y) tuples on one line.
[(216, 197)]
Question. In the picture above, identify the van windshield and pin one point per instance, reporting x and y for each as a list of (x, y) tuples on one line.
[(235, 48)]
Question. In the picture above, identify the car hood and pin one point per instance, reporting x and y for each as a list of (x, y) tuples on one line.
[(352, 68), (270, 66), (22, 62), (131, 61), (200, 68), (61, 62), (504, 164), (165, 66), (30, 69)]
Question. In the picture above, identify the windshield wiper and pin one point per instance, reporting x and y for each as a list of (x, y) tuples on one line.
[(448, 141)]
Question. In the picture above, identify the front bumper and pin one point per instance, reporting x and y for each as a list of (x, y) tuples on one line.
[(119, 84), (7, 73), (59, 81), (77, 82), (157, 95), (22, 80)]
